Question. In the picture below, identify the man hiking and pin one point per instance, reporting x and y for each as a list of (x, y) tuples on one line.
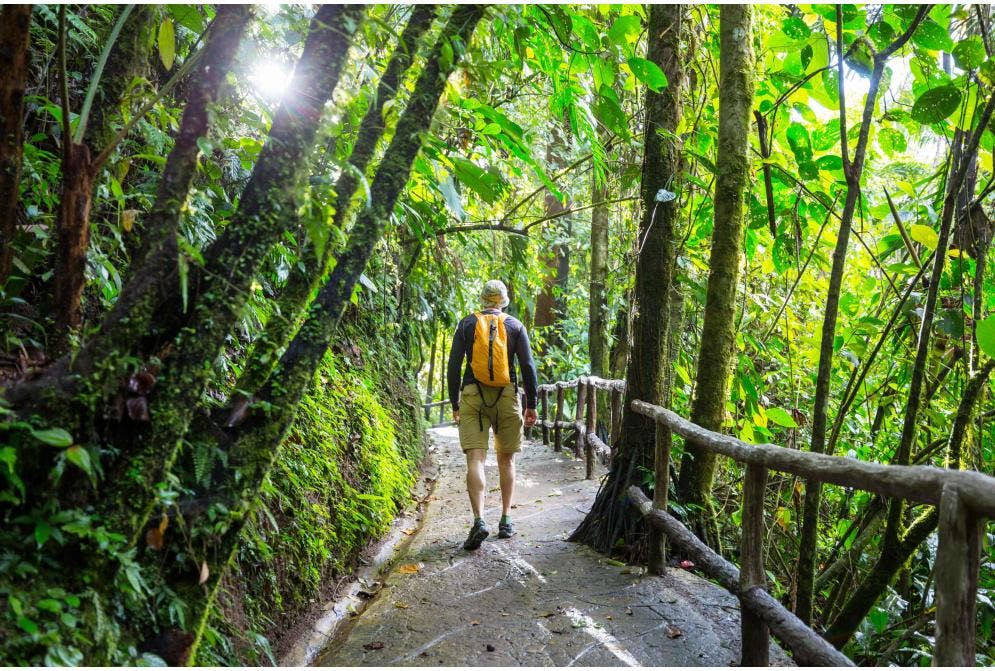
[(485, 396)]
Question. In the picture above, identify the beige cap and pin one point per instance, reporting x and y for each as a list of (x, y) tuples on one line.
[(494, 294)]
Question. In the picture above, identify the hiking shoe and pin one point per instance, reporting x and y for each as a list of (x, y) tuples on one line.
[(477, 535), (506, 529)]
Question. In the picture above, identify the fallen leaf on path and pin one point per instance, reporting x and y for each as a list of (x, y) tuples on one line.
[(374, 645), (628, 611), (475, 623), (673, 632), (609, 617), (410, 568), (400, 604), (555, 492), (408, 532)]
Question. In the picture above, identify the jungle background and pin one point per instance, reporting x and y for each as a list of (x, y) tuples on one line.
[(236, 240)]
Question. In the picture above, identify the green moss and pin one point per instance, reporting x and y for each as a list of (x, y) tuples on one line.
[(343, 473)]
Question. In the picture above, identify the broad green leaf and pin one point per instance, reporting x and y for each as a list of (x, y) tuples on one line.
[(623, 28), (453, 202), (781, 417), (892, 141), (648, 73), (80, 457), (933, 36), (167, 44), (830, 162), (986, 335), (187, 16), (969, 53), (936, 104), (795, 28), (611, 115), (924, 235), (53, 437)]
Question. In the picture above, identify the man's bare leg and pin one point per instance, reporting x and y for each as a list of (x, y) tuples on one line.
[(475, 480), (506, 469)]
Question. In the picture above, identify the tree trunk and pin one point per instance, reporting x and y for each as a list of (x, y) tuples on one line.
[(234, 259), (15, 33), (302, 282), (73, 234), (611, 517), (597, 334), (256, 442), (853, 170), (718, 339)]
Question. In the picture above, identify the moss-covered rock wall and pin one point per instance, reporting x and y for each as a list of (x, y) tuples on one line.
[(344, 471)]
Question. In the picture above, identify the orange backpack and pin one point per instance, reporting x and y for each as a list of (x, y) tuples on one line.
[(489, 358)]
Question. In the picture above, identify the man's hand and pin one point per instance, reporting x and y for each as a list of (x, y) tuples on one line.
[(456, 416), (530, 418)]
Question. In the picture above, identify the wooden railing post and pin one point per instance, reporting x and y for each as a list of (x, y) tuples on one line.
[(957, 563), (591, 427), (557, 430), (755, 635), (544, 404), (657, 563), (616, 415), (579, 417), (442, 412), (522, 399)]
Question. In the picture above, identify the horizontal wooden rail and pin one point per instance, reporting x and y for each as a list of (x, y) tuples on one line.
[(922, 484), (808, 648), (964, 499)]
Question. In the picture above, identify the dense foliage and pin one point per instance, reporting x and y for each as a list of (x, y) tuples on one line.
[(181, 249)]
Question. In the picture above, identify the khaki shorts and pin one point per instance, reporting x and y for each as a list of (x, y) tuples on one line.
[(505, 416)]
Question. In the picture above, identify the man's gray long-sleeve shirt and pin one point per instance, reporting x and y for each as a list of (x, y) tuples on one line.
[(518, 346)]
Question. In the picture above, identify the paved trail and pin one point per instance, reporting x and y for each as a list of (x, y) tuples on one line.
[(533, 600)]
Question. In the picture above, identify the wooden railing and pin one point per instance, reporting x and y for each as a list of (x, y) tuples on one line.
[(584, 423), (965, 499)]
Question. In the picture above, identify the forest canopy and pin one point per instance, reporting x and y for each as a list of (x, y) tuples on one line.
[(235, 241)]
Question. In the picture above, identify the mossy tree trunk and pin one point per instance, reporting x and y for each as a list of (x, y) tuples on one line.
[(255, 442), (15, 33), (853, 171), (233, 260), (302, 282), (718, 340), (612, 519), (597, 333)]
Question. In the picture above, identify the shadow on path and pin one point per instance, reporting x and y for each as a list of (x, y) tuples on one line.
[(532, 600)]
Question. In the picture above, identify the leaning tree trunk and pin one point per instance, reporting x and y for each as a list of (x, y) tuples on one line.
[(235, 257), (853, 170), (301, 282), (256, 442), (611, 517), (15, 33), (736, 68), (896, 549)]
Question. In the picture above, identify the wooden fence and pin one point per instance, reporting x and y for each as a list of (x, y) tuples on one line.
[(966, 499)]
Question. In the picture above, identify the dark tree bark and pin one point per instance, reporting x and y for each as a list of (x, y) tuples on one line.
[(715, 359), (853, 171), (15, 33), (256, 441), (611, 518), (128, 58), (302, 282)]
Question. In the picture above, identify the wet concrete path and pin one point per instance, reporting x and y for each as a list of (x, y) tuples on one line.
[(535, 599)]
